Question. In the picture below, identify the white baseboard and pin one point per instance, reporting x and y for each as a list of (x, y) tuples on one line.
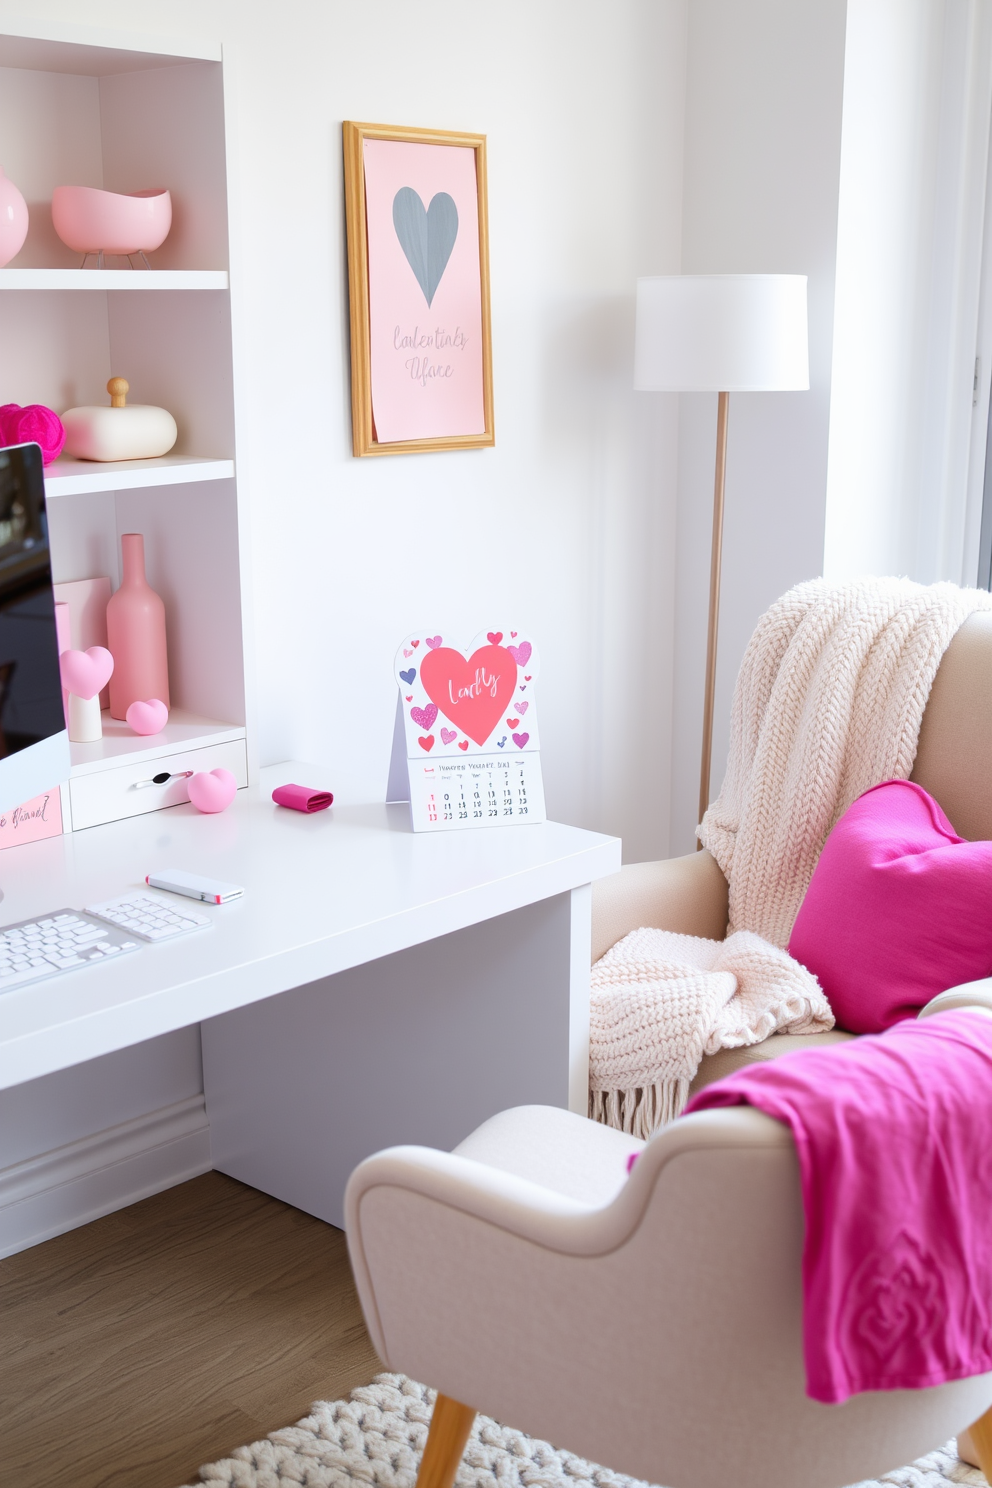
[(58, 1190)]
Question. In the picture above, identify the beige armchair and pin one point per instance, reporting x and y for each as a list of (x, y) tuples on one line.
[(689, 894), (652, 1324)]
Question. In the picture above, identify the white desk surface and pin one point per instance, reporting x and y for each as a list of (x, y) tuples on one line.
[(322, 893)]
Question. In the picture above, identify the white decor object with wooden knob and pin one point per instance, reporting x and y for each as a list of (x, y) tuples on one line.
[(136, 431)]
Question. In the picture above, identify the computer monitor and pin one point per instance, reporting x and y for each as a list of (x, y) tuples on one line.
[(34, 744)]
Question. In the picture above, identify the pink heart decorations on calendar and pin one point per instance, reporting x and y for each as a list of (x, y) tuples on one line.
[(470, 691), (520, 740), (212, 791), (424, 717), (465, 698)]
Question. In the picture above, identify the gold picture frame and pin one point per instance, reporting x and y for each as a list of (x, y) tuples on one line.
[(364, 439)]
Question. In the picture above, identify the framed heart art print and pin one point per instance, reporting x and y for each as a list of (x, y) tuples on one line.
[(418, 280)]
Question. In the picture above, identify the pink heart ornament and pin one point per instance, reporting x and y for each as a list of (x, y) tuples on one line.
[(521, 707), (213, 791), (448, 734), (85, 673), (147, 718), (433, 642), (519, 739), (424, 717), (521, 653)]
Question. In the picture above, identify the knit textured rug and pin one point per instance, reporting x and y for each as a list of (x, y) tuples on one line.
[(375, 1439)]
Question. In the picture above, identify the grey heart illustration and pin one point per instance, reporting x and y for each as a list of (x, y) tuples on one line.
[(426, 238)]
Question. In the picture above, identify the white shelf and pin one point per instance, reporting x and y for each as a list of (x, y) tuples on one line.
[(113, 279), (68, 477), (119, 746)]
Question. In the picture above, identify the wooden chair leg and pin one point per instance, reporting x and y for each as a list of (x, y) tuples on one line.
[(449, 1429), (975, 1444)]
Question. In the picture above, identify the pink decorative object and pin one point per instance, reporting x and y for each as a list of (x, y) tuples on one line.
[(891, 1136), (302, 798), (147, 718), (136, 634), (13, 220), (212, 792), (85, 672), (32, 424), (92, 221), (897, 909), (87, 601)]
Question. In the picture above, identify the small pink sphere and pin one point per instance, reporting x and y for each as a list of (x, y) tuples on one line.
[(13, 220)]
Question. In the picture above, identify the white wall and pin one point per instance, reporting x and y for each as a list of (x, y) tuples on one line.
[(569, 523), (764, 87)]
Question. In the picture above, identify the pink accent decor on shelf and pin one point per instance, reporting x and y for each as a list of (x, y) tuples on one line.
[(92, 221), (85, 672), (33, 821), (32, 424), (212, 791), (13, 220), (136, 634), (87, 600), (147, 717), (897, 909), (891, 1133)]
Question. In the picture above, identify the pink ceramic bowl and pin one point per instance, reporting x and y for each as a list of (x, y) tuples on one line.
[(92, 221)]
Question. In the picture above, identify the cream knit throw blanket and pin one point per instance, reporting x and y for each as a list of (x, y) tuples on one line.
[(828, 702), (660, 1001)]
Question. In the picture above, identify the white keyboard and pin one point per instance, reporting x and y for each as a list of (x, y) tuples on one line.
[(151, 918), (62, 941)]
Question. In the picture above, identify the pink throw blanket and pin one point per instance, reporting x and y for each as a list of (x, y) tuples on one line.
[(894, 1138)]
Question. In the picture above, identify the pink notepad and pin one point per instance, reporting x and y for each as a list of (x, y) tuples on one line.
[(36, 819)]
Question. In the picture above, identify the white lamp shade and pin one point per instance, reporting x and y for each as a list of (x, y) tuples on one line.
[(725, 333)]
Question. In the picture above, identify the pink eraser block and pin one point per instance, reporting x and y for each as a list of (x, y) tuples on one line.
[(302, 798)]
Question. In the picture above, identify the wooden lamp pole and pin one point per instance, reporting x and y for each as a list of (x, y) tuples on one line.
[(716, 555)]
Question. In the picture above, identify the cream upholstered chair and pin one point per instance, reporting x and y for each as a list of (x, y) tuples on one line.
[(689, 894), (650, 1323)]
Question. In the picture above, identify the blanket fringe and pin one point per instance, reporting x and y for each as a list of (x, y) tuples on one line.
[(642, 1111)]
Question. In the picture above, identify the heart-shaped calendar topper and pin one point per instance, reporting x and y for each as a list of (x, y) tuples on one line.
[(85, 673), (473, 691), (426, 237)]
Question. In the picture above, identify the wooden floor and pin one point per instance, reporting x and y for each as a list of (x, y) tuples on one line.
[(165, 1335)]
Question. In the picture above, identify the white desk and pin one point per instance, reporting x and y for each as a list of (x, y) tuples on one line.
[(426, 981)]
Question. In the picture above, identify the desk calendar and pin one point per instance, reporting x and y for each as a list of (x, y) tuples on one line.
[(466, 748)]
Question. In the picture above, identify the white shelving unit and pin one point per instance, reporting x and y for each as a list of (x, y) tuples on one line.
[(68, 477), (104, 279), (95, 109)]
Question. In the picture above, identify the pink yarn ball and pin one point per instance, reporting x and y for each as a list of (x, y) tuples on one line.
[(34, 423)]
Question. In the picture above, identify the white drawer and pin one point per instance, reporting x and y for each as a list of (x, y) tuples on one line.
[(109, 795)]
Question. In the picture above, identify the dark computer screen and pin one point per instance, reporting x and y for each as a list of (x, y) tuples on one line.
[(30, 686)]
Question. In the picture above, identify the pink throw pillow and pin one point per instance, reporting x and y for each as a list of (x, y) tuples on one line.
[(899, 908)]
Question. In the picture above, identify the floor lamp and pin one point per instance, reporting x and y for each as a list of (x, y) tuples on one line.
[(720, 333)]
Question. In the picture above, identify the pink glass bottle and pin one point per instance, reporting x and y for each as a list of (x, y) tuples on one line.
[(136, 634)]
